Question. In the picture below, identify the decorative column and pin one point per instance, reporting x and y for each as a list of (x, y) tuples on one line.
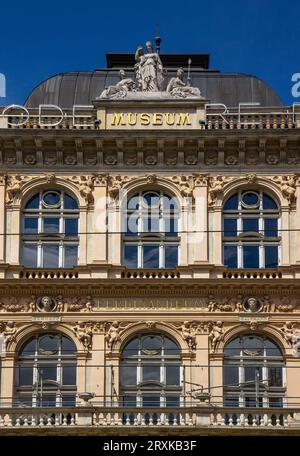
[(99, 229), (285, 236), (7, 379), (2, 218), (200, 227)]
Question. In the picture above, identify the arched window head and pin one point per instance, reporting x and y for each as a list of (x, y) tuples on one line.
[(251, 230), (253, 372), (46, 371), (150, 237), (150, 374), (50, 230)]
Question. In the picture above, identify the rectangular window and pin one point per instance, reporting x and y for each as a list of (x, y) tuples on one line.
[(71, 227), (128, 375), (25, 376), (172, 375), (51, 225), (69, 375), (251, 256), (47, 373), (151, 373), (30, 225), (271, 227), (151, 224), (131, 256), (230, 227), (231, 375), (151, 401), (271, 256), (29, 256), (71, 256), (230, 256), (171, 256), (250, 224), (68, 400), (50, 256), (171, 226), (275, 376), (151, 256)]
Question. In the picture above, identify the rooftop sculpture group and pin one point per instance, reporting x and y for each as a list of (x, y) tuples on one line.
[(150, 80)]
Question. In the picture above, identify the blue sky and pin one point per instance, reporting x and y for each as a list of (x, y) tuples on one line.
[(39, 39)]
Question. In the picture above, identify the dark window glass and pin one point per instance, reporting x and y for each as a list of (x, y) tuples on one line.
[(275, 402), (71, 256), (172, 375), (170, 347), (29, 255), (230, 227), (231, 203), (33, 203), (233, 348), (132, 225), (47, 400), (131, 256), (275, 376), (25, 376), (71, 227), (68, 400), (271, 256), (29, 348), (131, 348), (252, 401), (269, 203), (251, 256), (69, 375), (172, 401), (250, 224), (67, 346), (151, 373), (231, 375), (50, 256), (151, 224), (230, 256), (151, 256), (231, 401), (128, 375), (171, 226), (48, 373), (171, 256), (151, 344), (272, 349), (271, 227), (129, 401), (30, 225), (252, 374), (51, 225), (70, 203), (151, 401)]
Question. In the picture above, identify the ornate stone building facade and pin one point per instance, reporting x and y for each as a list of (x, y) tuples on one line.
[(150, 253)]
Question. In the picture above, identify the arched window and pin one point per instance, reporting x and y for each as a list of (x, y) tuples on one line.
[(46, 372), (253, 372), (251, 230), (50, 230), (151, 231), (150, 373)]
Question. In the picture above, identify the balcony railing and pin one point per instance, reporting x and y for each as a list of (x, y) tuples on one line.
[(140, 417)]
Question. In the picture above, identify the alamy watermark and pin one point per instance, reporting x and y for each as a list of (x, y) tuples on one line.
[(296, 87), (2, 86)]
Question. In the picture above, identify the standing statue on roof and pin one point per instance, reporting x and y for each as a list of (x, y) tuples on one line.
[(149, 70)]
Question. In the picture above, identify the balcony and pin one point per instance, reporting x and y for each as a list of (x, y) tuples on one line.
[(193, 420)]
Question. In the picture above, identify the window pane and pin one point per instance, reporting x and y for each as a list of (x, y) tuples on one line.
[(250, 224), (233, 348), (172, 375), (30, 255), (231, 401), (67, 346), (151, 401), (250, 199), (251, 256), (271, 256), (172, 401), (50, 256), (25, 376), (271, 227), (48, 344), (230, 256), (275, 402), (253, 374), (131, 256), (171, 256), (151, 372), (71, 256), (275, 376), (170, 348), (231, 203), (52, 199), (47, 400), (132, 225), (51, 225), (69, 375), (151, 224), (131, 348), (272, 349), (151, 256), (68, 400), (128, 375), (29, 348), (129, 401), (269, 203), (171, 226), (231, 375), (252, 401), (33, 203), (48, 373), (30, 225), (230, 227), (70, 203), (71, 227)]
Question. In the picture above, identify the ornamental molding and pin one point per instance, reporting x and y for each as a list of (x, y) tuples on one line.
[(291, 333), (84, 332)]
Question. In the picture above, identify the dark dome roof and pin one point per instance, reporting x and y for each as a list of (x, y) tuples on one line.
[(67, 89)]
